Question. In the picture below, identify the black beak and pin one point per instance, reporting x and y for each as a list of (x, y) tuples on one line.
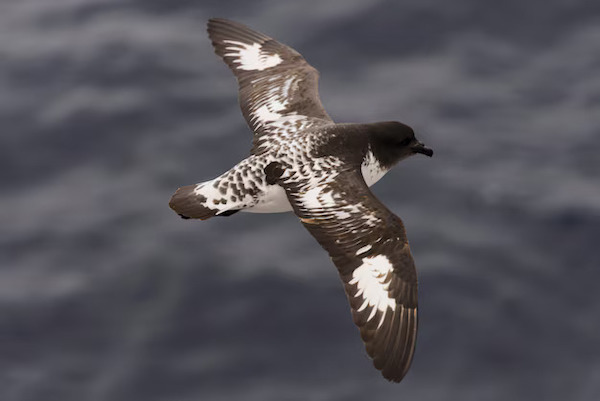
[(420, 148)]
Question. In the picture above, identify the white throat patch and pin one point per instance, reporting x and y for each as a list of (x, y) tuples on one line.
[(371, 169)]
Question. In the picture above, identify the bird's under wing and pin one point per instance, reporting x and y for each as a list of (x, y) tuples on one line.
[(278, 89), (368, 245)]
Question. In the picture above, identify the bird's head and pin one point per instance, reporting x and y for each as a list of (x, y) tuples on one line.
[(393, 141)]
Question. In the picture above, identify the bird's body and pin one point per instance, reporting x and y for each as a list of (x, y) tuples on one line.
[(302, 161), (272, 198), (244, 187)]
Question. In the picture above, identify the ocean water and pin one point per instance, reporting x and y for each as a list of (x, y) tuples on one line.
[(107, 106)]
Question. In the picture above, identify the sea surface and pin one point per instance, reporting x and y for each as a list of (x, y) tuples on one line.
[(107, 106)]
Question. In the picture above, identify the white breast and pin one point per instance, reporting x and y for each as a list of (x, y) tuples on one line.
[(371, 170)]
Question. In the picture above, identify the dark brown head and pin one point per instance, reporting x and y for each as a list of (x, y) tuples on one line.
[(393, 141)]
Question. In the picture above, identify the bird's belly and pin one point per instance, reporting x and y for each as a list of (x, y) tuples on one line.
[(272, 200)]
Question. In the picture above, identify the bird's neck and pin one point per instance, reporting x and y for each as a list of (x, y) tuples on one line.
[(372, 171)]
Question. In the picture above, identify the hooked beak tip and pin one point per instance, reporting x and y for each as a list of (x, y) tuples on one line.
[(424, 150)]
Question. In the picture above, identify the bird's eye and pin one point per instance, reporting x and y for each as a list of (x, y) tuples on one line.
[(405, 142)]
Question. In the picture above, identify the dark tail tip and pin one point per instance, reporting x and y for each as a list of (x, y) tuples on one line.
[(190, 205)]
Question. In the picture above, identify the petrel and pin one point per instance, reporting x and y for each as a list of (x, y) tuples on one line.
[(302, 161)]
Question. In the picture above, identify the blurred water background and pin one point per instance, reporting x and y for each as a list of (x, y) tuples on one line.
[(107, 106)]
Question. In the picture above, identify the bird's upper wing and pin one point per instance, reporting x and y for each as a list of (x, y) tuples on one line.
[(368, 245), (278, 89)]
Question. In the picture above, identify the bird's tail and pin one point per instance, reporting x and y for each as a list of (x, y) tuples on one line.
[(203, 201)]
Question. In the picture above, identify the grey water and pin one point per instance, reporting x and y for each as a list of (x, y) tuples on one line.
[(107, 106)]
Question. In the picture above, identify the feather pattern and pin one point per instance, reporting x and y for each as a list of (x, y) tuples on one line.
[(278, 89), (368, 245)]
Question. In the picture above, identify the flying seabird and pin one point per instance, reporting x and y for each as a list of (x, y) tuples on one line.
[(302, 161)]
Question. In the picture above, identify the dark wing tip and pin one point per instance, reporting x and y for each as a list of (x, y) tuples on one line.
[(221, 28), (392, 345), (187, 204), (388, 324), (215, 24), (215, 21)]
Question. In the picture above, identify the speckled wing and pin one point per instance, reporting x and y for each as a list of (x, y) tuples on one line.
[(278, 89), (368, 245)]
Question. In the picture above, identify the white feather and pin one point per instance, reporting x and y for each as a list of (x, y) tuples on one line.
[(251, 57), (369, 279)]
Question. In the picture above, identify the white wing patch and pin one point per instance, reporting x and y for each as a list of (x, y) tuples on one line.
[(342, 215), (316, 198), (371, 279), (277, 88), (267, 113), (364, 249), (370, 220), (251, 57), (270, 108)]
